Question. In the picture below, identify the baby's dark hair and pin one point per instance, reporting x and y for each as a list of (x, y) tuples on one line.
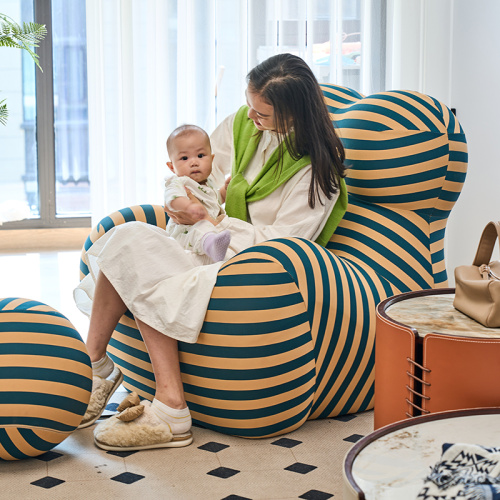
[(185, 129)]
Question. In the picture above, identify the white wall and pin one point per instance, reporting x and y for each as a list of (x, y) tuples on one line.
[(475, 92), (419, 47), (449, 49)]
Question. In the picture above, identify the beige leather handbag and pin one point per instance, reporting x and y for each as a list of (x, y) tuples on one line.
[(477, 292)]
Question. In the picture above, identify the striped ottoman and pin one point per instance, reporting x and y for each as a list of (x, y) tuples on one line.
[(45, 378)]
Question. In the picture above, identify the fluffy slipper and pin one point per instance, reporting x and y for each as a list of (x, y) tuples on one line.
[(131, 413), (102, 390), (145, 432), (129, 401)]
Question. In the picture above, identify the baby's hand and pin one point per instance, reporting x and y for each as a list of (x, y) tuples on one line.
[(223, 189)]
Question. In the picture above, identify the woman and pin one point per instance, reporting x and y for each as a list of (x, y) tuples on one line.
[(286, 181)]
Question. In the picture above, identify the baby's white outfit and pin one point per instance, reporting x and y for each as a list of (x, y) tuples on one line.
[(190, 237)]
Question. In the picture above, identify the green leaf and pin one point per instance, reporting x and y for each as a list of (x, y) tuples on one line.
[(4, 113), (25, 37)]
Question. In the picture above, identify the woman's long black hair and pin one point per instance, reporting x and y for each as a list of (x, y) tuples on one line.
[(287, 83)]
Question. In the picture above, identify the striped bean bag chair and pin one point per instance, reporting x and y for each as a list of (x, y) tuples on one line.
[(289, 331), (45, 378)]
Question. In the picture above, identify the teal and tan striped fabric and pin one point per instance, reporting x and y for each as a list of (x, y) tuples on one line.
[(45, 378), (407, 159), (289, 331)]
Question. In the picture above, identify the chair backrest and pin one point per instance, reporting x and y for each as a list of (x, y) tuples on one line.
[(407, 158)]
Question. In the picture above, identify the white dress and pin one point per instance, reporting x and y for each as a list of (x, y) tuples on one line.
[(190, 237), (169, 288)]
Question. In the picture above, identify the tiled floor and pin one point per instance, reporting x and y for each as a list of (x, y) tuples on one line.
[(304, 464)]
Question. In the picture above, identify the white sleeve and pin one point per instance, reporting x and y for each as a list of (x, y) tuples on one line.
[(222, 147), (174, 188), (294, 216)]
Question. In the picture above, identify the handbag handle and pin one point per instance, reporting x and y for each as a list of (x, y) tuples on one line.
[(487, 242)]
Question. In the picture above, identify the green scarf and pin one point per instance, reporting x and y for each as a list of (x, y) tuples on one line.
[(240, 193)]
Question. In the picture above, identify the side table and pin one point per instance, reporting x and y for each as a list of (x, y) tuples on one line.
[(392, 463), (429, 357)]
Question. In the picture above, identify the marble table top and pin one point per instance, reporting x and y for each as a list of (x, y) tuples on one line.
[(395, 466), (436, 314)]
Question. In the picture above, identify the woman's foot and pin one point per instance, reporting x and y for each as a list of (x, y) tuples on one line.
[(179, 421), (106, 378), (154, 426)]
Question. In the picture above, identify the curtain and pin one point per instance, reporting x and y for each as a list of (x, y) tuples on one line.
[(155, 64), (419, 47)]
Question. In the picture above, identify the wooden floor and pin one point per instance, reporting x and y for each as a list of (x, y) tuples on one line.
[(42, 240)]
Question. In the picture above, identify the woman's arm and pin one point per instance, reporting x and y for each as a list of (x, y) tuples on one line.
[(222, 147)]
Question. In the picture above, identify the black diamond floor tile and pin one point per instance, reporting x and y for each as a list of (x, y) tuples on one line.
[(353, 438), (236, 497), (47, 482), (345, 418), (223, 472), (48, 456), (301, 468), (286, 443), (316, 495), (127, 478), (122, 454), (213, 447)]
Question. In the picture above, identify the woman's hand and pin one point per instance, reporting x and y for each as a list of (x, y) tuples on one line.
[(190, 217)]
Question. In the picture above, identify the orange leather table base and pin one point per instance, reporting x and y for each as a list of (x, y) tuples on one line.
[(429, 357)]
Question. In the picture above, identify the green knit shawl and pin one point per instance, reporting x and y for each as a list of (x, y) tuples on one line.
[(240, 193)]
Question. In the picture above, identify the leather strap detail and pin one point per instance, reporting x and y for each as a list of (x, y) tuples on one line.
[(487, 242)]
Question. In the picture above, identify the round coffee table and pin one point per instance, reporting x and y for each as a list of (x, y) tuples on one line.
[(393, 462), (430, 358)]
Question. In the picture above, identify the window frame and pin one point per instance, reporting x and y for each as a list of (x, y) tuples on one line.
[(45, 136)]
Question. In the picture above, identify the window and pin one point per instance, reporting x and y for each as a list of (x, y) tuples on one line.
[(343, 41), (152, 66), (44, 147)]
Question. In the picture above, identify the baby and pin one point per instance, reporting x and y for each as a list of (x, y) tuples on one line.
[(191, 158)]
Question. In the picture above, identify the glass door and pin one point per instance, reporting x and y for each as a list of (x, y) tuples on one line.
[(44, 178)]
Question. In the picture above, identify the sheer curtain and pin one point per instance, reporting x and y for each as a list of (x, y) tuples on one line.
[(155, 64)]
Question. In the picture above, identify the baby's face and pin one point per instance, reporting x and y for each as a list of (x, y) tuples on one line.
[(191, 156)]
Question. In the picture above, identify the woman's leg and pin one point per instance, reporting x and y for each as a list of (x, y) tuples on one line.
[(164, 356), (168, 418), (107, 309)]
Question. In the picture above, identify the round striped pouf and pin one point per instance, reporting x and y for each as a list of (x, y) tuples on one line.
[(45, 378)]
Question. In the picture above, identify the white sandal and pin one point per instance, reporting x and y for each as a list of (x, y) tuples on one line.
[(102, 390), (141, 431)]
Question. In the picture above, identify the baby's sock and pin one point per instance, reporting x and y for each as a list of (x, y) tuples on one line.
[(179, 421), (103, 368), (215, 244)]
